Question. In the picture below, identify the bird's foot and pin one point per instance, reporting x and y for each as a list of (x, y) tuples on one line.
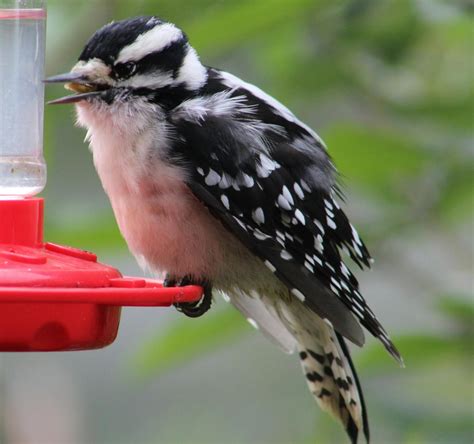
[(192, 309)]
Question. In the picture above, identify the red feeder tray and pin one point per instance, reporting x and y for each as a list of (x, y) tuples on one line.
[(58, 298)]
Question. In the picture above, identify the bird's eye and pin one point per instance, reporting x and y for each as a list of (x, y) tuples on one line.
[(124, 70)]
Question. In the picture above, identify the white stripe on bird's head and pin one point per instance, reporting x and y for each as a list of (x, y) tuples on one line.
[(192, 73), (154, 40)]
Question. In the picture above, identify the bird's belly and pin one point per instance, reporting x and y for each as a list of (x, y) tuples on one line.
[(168, 230)]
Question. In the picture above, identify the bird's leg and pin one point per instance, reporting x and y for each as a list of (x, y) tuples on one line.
[(169, 281), (192, 309)]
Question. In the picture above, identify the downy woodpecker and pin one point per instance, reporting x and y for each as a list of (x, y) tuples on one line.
[(214, 182)]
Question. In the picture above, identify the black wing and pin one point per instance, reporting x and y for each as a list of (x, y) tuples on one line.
[(271, 182)]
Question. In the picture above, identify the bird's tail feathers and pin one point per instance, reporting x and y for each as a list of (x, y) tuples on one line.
[(330, 373)]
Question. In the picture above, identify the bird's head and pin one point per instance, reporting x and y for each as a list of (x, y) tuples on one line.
[(139, 56)]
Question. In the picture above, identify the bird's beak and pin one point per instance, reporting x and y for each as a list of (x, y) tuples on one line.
[(74, 82)]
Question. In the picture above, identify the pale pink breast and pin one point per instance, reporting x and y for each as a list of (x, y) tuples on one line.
[(170, 229), (164, 225)]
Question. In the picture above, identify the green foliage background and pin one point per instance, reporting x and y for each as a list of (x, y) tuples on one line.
[(388, 84)]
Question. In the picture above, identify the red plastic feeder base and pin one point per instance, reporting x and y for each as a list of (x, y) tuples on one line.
[(57, 298)]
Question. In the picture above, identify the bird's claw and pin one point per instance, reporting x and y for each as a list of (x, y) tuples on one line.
[(192, 309)]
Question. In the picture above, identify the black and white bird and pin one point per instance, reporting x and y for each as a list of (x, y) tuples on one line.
[(214, 182)]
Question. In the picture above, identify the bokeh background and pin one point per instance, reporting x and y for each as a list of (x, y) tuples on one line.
[(388, 84)]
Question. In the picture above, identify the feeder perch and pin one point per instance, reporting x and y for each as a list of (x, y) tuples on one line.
[(52, 297)]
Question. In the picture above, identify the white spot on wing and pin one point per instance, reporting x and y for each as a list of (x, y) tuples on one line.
[(309, 258), (318, 243), (270, 266), (298, 294), (212, 178), (357, 311), (330, 267), (331, 223), (286, 193), (283, 203), (260, 235), (240, 223), (345, 270), (300, 216), (329, 213), (225, 201), (355, 235), (298, 190), (357, 250), (334, 281), (319, 225), (225, 182), (328, 204), (258, 216), (305, 186), (248, 181)]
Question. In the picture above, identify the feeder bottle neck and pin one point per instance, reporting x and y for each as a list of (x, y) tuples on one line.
[(22, 49)]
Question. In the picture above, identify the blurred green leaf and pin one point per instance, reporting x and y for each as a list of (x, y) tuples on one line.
[(417, 350), (380, 161), (457, 200), (460, 310), (185, 339), (389, 37), (93, 233), (241, 21)]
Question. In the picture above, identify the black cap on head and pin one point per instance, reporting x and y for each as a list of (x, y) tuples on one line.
[(108, 41)]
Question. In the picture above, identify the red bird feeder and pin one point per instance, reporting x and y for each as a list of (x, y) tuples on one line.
[(52, 297)]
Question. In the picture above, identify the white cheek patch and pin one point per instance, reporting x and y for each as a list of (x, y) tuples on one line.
[(153, 40)]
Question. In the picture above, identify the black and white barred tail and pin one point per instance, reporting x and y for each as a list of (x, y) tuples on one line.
[(331, 375)]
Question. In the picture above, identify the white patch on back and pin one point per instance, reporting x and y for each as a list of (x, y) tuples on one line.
[(219, 104)]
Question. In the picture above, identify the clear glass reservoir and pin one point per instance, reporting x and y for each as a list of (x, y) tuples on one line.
[(22, 53)]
